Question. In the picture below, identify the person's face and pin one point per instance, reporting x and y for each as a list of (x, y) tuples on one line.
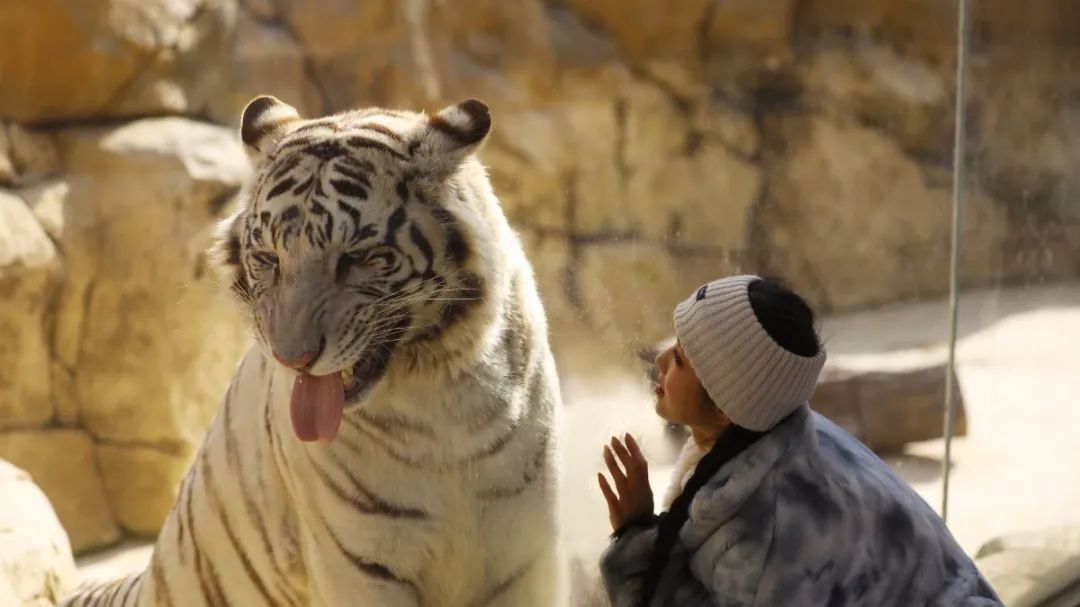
[(680, 397)]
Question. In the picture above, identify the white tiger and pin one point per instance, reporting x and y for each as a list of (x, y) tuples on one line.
[(390, 437)]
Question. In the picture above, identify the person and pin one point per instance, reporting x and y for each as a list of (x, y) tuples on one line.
[(771, 504)]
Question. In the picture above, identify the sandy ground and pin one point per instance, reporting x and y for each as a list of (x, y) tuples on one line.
[(1018, 468)]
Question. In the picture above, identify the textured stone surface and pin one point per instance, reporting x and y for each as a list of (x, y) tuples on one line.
[(62, 463), (142, 200), (888, 409), (109, 57), (25, 156), (644, 29), (851, 220), (140, 343), (141, 484), (878, 86), (36, 568), (28, 266), (46, 200), (1035, 568), (619, 308)]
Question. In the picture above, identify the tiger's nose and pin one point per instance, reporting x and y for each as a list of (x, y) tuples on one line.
[(300, 361)]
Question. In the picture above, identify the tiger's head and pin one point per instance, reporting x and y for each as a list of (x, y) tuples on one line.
[(355, 242)]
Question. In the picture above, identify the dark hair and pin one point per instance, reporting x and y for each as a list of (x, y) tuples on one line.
[(785, 316)]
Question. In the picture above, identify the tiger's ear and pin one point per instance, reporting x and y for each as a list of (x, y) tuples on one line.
[(453, 134), (266, 120)]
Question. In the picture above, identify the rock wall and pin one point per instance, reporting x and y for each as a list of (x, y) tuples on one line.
[(640, 150), (120, 345)]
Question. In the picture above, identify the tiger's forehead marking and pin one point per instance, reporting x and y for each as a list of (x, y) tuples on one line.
[(330, 184)]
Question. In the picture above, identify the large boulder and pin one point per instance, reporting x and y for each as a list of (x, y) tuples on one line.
[(1034, 568), (887, 409), (63, 464), (419, 54), (28, 270), (25, 156), (145, 330), (644, 29), (877, 85), (110, 57), (851, 220), (36, 568)]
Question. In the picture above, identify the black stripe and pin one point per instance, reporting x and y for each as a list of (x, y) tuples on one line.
[(378, 128), (211, 590), (364, 142), (185, 490), (190, 521), (133, 581), (499, 589), (387, 426), (232, 251), (303, 185), (386, 447), (323, 150), (358, 164), (370, 567), (327, 123), (287, 164), (349, 188), (232, 456), (403, 191), (422, 243), (355, 175), (365, 232), (352, 211), (530, 476), (280, 188), (456, 249), (371, 503), (328, 226), (223, 516), (162, 593), (397, 219)]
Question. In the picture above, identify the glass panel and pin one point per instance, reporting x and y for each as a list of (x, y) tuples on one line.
[(1016, 470)]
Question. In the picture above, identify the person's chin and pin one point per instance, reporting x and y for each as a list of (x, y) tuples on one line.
[(659, 408)]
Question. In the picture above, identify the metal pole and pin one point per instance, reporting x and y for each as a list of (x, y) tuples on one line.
[(963, 27)]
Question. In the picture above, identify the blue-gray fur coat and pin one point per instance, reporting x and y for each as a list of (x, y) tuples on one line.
[(805, 516)]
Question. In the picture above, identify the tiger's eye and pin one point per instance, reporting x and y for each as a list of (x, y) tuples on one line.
[(266, 259), (347, 261)]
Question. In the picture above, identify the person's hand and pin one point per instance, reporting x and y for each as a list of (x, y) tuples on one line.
[(634, 497)]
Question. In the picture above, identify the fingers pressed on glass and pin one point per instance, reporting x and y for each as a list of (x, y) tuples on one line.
[(605, 488), (617, 474), (635, 451)]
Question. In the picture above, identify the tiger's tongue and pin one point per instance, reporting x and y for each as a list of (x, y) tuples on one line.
[(317, 402)]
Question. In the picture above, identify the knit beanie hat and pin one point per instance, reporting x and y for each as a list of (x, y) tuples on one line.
[(752, 379)]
